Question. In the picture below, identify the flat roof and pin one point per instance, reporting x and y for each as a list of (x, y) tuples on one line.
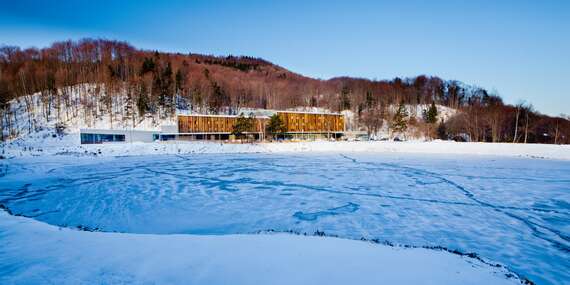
[(115, 131), (219, 116), (309, 112), (259, 117), (207, 133)]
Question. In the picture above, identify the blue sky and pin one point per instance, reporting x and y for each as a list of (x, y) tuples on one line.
[(518, 48)]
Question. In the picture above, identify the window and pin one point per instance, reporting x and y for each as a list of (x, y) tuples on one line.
[(87, 138), (167, 137)]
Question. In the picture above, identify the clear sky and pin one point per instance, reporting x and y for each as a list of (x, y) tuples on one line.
[(521, 49)]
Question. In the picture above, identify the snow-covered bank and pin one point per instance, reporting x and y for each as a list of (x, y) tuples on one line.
[(32, 252), (45, 144)]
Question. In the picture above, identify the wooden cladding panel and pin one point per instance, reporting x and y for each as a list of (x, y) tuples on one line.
[(307, 122), (212, 124), (294, 122)]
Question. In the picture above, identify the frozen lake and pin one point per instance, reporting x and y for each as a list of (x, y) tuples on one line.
[(510, 210)]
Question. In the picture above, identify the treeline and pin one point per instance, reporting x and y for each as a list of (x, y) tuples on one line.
[(138, 83)]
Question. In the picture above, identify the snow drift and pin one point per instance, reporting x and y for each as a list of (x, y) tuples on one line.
[(34, 253)]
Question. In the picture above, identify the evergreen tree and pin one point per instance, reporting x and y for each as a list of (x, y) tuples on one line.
[(275, 125), (156, 88), (345, 98), (442, 131), (167, 90), (128, 105), (218, 99), (142, 102), (399, 122), (370, 101), (147, 66), (430, 116), (243, 125), (179, 81)]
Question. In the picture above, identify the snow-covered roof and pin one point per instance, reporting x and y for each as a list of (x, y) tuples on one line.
[(260, 113), (310, 112), (217, 115)]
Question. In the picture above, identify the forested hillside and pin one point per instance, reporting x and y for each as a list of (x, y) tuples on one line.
[(134, 84)]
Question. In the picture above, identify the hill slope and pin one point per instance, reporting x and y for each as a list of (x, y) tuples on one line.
[(135, 84)]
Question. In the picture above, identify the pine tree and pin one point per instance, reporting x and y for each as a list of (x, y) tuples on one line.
[(142, 101), (345, 98), (399, 122), (218, 99), (128, 105), (179, 81), (147, 66), (442, 131), (430, 116), (275, 125), (243, 125), (370, 102), (167, 90), (156, 89)]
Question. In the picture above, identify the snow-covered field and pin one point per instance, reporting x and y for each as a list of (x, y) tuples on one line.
[(42, 143), (36, 253), (508, 208)]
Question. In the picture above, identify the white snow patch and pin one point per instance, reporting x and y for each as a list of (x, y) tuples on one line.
[(38, 253), (19, 118), (43, 143)]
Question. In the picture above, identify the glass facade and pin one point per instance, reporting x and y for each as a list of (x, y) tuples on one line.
[(87, 138), (167, 137)]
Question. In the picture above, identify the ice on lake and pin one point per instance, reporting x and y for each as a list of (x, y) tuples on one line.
[(510, 210)]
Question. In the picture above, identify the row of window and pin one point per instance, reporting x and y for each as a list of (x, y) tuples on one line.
[(101, 138)]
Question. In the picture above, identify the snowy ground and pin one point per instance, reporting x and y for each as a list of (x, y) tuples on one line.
[(511, 210), (36, 253), (42, 143)]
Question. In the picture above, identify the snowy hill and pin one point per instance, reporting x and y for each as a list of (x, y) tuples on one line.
[(87, 106), (32, 122), (81, 108)]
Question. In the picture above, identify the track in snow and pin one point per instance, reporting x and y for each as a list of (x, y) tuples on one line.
[(514, 211)]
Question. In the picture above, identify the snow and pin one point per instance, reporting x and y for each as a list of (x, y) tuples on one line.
[(510, 210), (97, 117), (184, 212), (83, 95), (43, 143), (75, 119), (35, 253), (417, 111)]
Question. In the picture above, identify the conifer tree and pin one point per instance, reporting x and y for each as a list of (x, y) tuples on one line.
[(345, 98), (399, 122), (430, 116), (243, 125), (167, 90), (275, 125), (442, 131), (142, 101), (128, 106)]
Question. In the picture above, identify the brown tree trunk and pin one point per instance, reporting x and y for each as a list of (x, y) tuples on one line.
[(516, 125), (556, 134), (526, 129)]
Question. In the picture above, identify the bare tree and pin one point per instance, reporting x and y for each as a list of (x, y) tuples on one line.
[(519, 106), (527, 110), (373, 119)]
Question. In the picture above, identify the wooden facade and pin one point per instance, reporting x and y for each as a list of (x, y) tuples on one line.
[(299, 122), (212, 124), (296, 124)]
